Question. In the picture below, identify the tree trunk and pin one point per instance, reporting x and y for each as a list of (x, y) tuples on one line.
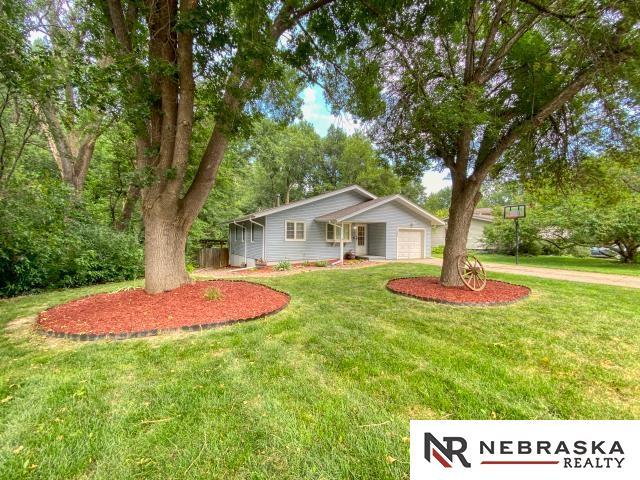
[(463, 201), (628, 252), (287, 196), (133, 193), (165, 241)]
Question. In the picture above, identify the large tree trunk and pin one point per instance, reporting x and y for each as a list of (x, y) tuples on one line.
[(464, 198), (165, 240)]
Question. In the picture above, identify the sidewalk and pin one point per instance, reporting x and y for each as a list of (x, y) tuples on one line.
[(553, 273)]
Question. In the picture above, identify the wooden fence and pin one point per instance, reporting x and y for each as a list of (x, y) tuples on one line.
[(213, 257)]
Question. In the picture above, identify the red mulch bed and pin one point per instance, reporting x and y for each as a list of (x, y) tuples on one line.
[(135, 313), (429, 288)]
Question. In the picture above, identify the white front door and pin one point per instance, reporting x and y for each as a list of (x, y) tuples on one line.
[(361, 239), (410, 243)]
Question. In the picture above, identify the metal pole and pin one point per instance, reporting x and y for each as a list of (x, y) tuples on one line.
[(517, 239)]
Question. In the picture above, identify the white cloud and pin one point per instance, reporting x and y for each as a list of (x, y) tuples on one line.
[(434, 181)]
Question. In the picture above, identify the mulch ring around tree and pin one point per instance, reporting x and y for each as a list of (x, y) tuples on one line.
[(135, 313), (429, 288)]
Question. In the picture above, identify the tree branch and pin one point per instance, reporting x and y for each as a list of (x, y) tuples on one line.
[(567, 93), (118, 23), (482, 76), (184, 120), (204, 179), (469, 63), (491, 35)]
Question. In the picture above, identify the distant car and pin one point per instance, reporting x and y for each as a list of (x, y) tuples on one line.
[(604, 252)]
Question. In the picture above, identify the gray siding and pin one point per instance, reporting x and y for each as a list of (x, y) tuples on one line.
[(254, 249), (396, 216), (383, 224), (437, 235), (474, 240), (476, 234), (315, 247), (377, 239)]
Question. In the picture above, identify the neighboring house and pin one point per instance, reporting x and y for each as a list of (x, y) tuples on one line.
[(329, 225), (481, 218)]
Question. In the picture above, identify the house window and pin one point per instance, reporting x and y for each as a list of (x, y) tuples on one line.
[(243, 229), (253, 234), (333, 232), (294, 231), (235, 232)]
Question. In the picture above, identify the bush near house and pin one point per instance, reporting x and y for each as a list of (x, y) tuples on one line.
[(282, 266)]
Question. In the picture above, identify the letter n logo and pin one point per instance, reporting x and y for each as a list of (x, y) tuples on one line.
[(444, 455)]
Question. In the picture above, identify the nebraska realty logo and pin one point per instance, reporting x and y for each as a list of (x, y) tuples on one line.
[(495, 450)]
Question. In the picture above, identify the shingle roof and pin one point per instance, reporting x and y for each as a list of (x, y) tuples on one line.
[(297, 203), (346, 213)]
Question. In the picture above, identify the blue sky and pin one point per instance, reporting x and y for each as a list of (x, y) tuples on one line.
[(316, 111)]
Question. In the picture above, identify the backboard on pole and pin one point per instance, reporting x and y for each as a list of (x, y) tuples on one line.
[(513, 212)]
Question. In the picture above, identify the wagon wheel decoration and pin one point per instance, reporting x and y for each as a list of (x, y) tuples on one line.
[(472, 272)]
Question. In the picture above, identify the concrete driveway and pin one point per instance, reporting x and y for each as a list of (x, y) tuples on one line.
[(553, 273)]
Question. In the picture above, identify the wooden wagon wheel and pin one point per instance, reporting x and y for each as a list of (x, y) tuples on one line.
[(472, 272)]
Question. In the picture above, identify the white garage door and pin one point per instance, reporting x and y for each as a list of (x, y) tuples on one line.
[(410, 243)]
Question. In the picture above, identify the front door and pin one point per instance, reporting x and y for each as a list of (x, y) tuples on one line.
[(361, 239)]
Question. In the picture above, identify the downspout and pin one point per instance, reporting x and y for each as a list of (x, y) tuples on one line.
[(263, 236)]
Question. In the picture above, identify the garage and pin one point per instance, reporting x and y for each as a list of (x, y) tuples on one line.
[(410, 243)]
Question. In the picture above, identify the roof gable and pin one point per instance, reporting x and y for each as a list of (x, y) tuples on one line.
[(349, 212), (306, 201)]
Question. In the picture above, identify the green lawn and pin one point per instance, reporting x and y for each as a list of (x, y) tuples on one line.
[(600, 265), (323, 390)]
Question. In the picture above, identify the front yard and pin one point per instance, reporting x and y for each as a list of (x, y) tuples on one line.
[(324, 389), (587, 264)]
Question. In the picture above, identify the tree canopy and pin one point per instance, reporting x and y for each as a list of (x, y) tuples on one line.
[(481, 87)]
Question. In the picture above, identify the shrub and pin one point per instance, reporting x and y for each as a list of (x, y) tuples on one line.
[(48, 239), (306, 263), (500, 236), (439, 250), (213, 294), (322, 263), (282, 266)]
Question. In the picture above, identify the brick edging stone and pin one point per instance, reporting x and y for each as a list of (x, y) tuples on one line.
[(457, 304), (82, 337)]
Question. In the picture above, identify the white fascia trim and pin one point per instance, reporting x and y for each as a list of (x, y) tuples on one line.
[(433, 219)]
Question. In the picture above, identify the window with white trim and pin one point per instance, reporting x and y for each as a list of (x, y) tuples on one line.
[(294, 231), (332, 232), (243, 229), (253, 233), (235, 232)]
